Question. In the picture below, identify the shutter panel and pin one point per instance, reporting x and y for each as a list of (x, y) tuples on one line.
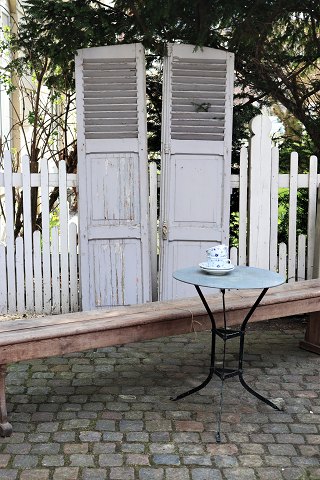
[(196, 159), (112, 172)]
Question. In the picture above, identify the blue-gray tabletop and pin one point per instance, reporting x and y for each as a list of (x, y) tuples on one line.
[(239, 278)]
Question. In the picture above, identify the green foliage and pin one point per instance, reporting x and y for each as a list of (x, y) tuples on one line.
[(276, 46)]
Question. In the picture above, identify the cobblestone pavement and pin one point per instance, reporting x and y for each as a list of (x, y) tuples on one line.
[(107, 414)]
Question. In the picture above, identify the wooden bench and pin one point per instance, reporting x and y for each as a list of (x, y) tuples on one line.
[(42, 337)]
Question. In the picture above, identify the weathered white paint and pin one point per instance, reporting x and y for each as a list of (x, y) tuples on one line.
[(27, 235), (55, 262), (113, 181), (243, 206), (262, 248), (274, 195), (26, 261), (37, 267), (47, 299), (259, 194), (153, 202), (64, 227), (292, 238), (196, 150), (282, 268), (312, 213), (3, 283), (301, 258), (11, 271), (73, 267), (20, 278)]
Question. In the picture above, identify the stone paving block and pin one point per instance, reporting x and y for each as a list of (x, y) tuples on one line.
[(223, 461), (81, 460), (73, 448), (133, 447), (19, 448), (162, 447), (189, 426), (177, 473), (66, 473), (8, 474), (166, 459), (269, 473), (111, 459), (204, 460), (94, 474), (293, 438), (282, 449), (53, 461), (121, 473), (205, 474), (137, 459), (151, 474), (4, 460), (277, 460), (25, 461), (239, 473), (35, 474), (191, 449), (45, 448)]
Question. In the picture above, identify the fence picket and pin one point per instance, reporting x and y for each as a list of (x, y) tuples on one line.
[(9, 211), (274, 195), (301, 268), (234, 255), (27, 234), (312, 212), (64, 254), (282, 268), (259, 193), (292, 237), (55, 262), (243, 206), (3, 283), (37, 265), (20, 275), (45, 220), (73, 267)]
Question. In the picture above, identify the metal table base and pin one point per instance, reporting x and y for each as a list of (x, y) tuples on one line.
[(224, 373)]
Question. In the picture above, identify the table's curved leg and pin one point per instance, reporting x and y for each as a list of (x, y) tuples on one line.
[(241, 353), (195, 389), (256, 394), (213, 349)]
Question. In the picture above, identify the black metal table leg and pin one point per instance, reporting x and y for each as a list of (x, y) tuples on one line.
[(241, 354), (212, 355)]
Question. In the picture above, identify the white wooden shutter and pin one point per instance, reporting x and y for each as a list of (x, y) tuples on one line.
[(196, 156), (112, 173)]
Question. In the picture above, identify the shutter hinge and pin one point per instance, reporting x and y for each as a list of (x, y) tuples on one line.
[(164, 231)]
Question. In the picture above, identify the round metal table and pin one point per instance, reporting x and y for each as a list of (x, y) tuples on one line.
[(239, 278)]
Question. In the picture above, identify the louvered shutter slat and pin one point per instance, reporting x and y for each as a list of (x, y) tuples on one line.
[(200, 86), (110, 87)]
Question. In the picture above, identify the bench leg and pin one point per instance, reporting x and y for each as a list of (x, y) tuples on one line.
[(5, 426), (311, 340)]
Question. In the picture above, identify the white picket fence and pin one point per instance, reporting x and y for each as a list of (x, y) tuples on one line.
[(39, 271), (259, 182)]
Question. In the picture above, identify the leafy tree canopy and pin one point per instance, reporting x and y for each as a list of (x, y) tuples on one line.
[(276, 42)]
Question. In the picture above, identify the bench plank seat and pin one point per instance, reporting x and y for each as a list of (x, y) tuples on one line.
[(41, 337)]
